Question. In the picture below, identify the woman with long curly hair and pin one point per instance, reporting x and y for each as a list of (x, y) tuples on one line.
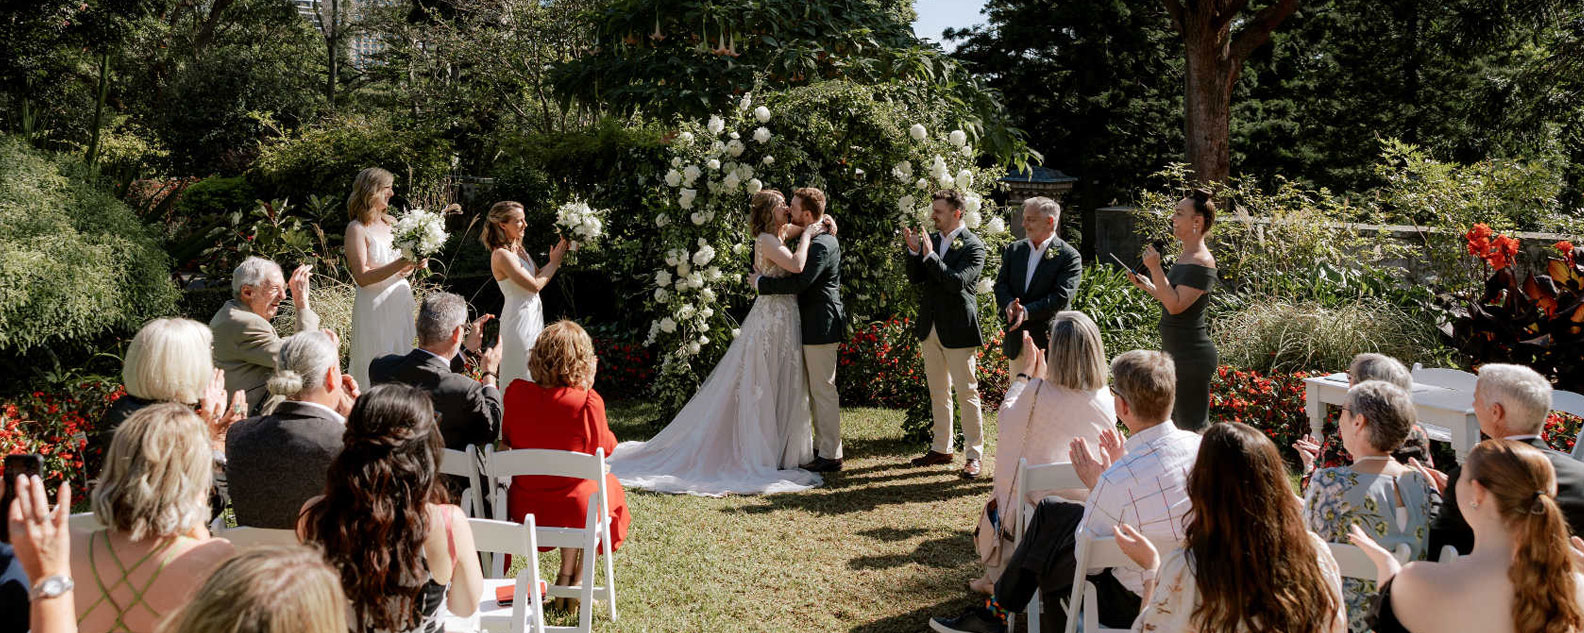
[(1520, 577), (383, 522), (1247, 563)]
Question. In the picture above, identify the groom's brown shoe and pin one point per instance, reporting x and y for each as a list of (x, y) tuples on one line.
[(823, 465), (933, 458), (971, 469)]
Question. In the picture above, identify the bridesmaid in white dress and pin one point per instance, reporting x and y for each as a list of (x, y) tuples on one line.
[(382, 314), (522, 315)]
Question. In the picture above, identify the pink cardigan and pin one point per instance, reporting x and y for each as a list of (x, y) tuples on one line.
[(1060, 415)]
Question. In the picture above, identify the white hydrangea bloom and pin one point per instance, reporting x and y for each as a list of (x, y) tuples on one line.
[(695, 280), (922, 183), (735, 148), (903, 171), (947, 182), (957, 138), (965, 178), (747, 102), (762, 134), (972, 219), (713, 273), (966, 151), (905, 204), (754, 186), (673, 178), (731, 182), (984, 286), (995, 225), (676, 161), (917, 132), (667, 325), (938, 167), (715, 125), (762, 114), (973, 204)]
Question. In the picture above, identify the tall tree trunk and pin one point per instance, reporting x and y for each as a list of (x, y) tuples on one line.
[(1214, 56), (332, 35), (98, 120)]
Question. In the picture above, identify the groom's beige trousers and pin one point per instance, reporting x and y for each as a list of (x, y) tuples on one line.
[(820, 363), (949, 369)]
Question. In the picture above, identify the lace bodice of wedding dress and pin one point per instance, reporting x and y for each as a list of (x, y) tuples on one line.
[(747, 428)]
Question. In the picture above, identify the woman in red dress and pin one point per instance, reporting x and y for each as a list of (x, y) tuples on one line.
[(561, 412)]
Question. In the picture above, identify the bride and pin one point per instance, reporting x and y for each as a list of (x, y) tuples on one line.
[(747, 429)]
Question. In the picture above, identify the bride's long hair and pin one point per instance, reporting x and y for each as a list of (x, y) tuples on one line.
[(493, 235), (761, 212)]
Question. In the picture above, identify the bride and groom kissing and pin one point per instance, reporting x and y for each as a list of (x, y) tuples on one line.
[(753, 425)]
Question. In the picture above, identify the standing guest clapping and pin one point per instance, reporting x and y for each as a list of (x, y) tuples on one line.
[(244, 340), (946, 266), (470, 411), (384, 524), (1520, 576), (1038, 276), (279, 460), (1055, 398), (520, 281), (1184, 293), (382, 312)]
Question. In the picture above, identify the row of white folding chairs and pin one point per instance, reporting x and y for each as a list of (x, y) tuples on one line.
[(1565, 401), (489, 475), (1032, 478)]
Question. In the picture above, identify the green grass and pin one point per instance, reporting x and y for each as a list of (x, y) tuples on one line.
[(882, 546)]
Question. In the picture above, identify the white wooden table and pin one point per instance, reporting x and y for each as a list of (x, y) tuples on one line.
[(1446, 414)]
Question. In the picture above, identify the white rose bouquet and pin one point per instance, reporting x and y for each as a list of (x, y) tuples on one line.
[(419, 234), (580, 223)]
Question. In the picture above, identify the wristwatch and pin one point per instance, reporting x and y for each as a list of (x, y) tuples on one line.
[(52, 587)]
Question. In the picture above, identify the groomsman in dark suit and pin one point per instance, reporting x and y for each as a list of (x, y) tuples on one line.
[(945, 267), (469, 411), (1039, 275)]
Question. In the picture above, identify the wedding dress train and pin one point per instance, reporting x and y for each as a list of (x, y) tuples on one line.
[(747, 429)]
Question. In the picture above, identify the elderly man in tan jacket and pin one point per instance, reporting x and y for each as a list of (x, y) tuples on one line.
[(245, 342)]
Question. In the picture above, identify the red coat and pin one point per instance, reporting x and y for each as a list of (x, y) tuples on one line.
[(563, 419)]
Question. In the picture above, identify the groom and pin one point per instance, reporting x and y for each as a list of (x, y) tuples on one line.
[(818, 289)]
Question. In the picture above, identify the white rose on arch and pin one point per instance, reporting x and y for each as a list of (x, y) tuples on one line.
[(754, 186), (917, 131), (747, 102), (662, 278), (957, 138), (762, 135), (661, 221), (673, 178), (713, 273), (947, 182), (762, 114), (707, 294), (686, 311), (965, 178), (696, 217), (731, 182), (667, 325), (966, 151), (715, 124), (973, 204), (661, 295), (905, 204), (685, 139), (769, 160), (922, 183), (705, 314), (972, 219), (690, 174), (703, 256), (713, 164), (984, 286), (735, 148), (734, 135), (995, 225), (693, 348), (685, 199)]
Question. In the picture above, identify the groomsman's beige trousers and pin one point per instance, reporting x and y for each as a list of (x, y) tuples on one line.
[(820, 363), (949, 369)]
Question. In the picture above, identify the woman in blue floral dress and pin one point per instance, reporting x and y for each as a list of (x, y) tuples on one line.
[(1391, 502)]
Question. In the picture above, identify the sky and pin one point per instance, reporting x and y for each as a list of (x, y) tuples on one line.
[(935, 16)]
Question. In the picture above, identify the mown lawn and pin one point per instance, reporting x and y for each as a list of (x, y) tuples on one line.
[(881, 547)]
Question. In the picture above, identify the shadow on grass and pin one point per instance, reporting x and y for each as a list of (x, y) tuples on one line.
[(891, 534), (947, 552), (843, 496), (918, 619)]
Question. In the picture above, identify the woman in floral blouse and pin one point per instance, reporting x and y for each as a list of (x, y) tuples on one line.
[(1390, 501)]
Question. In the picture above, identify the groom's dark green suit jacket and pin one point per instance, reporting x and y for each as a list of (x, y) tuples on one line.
[(946, 291), (818, 289)]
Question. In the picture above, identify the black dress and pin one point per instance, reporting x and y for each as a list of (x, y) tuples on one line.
[(1382, 619), (1186, 337)]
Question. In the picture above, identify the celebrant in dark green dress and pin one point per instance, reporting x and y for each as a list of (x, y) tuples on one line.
[(1184, 293)]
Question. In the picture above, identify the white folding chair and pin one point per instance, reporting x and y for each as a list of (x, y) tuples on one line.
[(249, 537), (1448, 554), (594, 538), (1352, 562), (1092, 553), (465, 464), (84, 522), (1057, 476), (1444, 377), (526, 612)]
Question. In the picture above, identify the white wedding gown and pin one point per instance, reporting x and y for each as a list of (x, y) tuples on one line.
[(748, 428), (382, 313), (521, 321)]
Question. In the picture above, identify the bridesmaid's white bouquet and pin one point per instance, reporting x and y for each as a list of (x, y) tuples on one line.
[(419, 234), (580, 223)]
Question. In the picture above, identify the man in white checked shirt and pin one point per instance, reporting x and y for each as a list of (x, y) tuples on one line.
[(1142, 482)]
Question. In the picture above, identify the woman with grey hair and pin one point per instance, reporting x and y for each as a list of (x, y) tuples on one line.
[(155, 549), (169, 361), (1389, 501), (1056, 397)]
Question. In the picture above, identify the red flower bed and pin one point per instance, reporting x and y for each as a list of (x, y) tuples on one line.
[(626, 370), (57, 425)]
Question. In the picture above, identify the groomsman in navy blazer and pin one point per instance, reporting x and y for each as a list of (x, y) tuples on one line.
[(1039, 275)]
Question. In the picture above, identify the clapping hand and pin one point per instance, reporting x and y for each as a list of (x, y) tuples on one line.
[(911, 238), (1016, 314), (1088, 465), (1308, 450), (1025, 358), (559, 251), (349, 395), (926, 245), (42, 537), (297, 286), (1435, 477), (1138, 548), (1152, 257), (1111, 444), (212, 406), (1386, 565)]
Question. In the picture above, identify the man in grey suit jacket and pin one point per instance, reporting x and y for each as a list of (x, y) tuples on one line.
[(277, 462), (245, 342), (1039, 276), (946, 268)]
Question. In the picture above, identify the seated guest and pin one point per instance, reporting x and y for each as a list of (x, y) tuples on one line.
[(244, 340), (277, 461), (1145, 484), (470, 411), (1521, 576), (1390, 501), (1511, 402), (383, 523), (1056, 397), (560, 411), (168, 361), (155, 549), (267, 590), (1371, 366), (1246, 563)]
